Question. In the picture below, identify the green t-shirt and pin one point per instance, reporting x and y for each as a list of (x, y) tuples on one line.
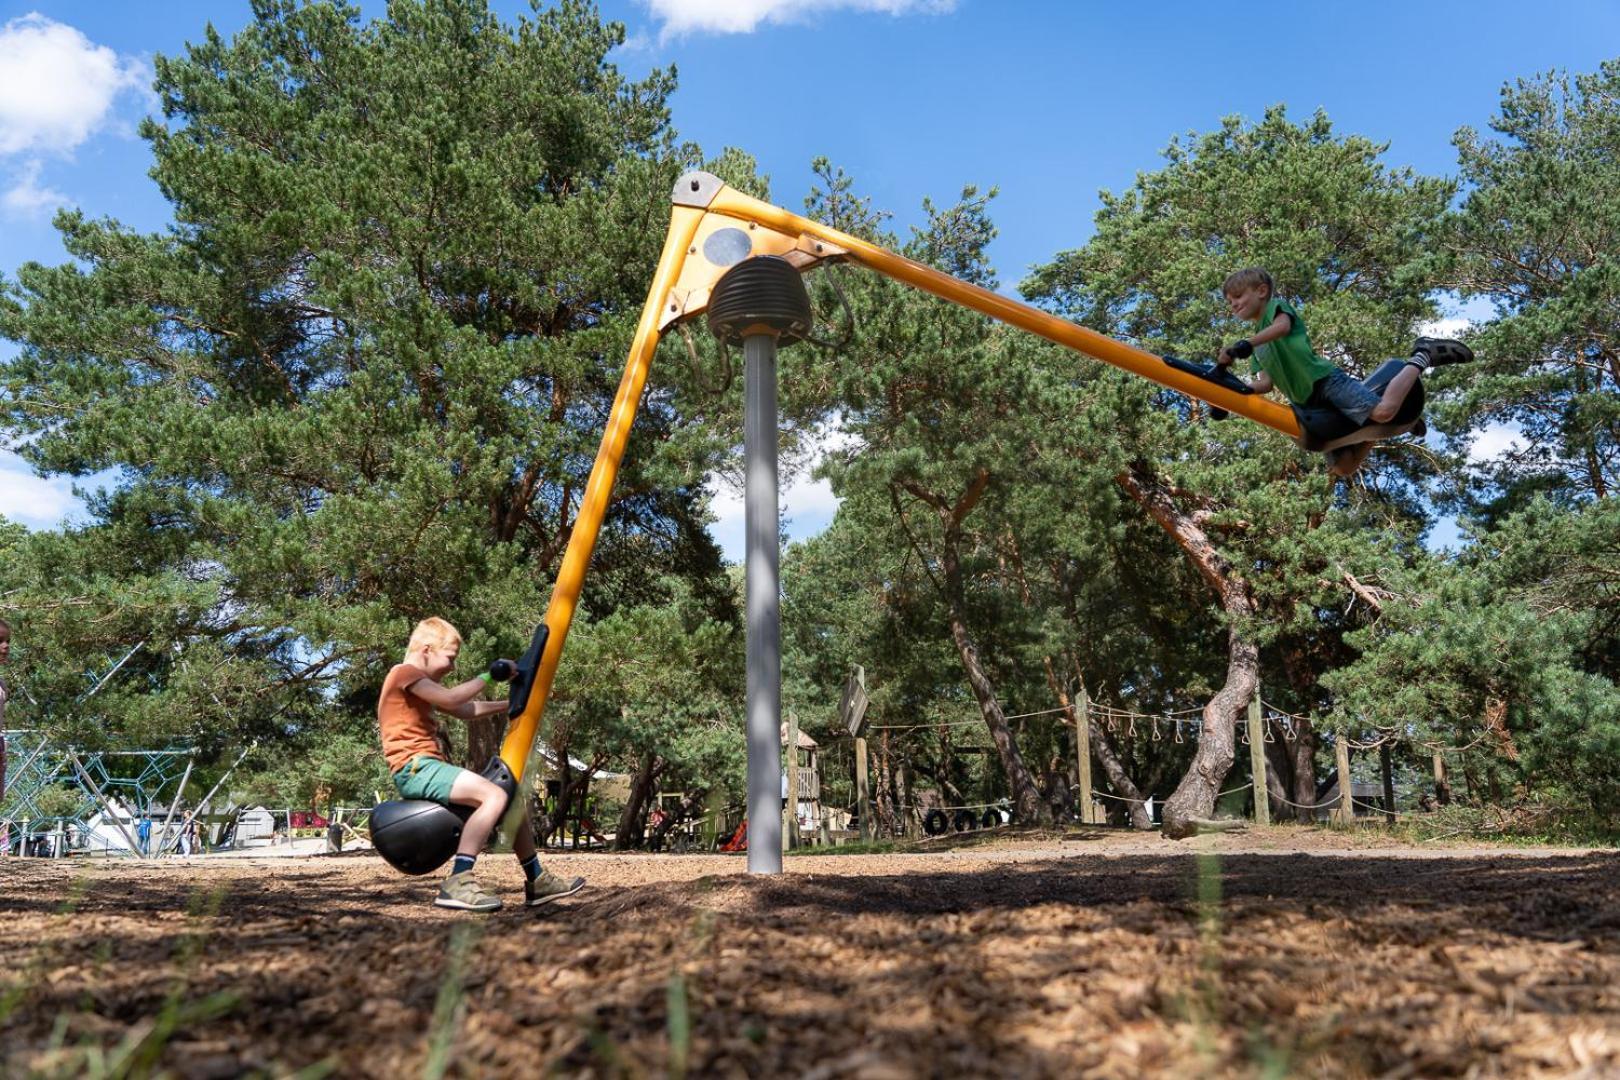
[(1289, 360)]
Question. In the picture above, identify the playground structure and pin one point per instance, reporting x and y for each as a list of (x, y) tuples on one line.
[(115, 793), (738, 260), (115, 789)]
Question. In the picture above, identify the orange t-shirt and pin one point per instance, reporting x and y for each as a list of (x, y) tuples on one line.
[(406, 721)]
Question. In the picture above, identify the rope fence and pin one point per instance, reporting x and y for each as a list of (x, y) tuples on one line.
[(1184, 725), (1266, 723)]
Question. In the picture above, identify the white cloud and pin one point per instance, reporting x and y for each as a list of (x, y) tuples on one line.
[(31, 500), (1445, 328), (1493, 442), (27, 199), (807, 503), (681, 17), (59, 86)]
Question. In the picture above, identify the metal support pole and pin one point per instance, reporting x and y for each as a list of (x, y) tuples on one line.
[(106, 806), (762, 551), (174, 804)]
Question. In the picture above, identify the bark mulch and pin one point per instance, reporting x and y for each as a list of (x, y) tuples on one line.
[(1088, 959)]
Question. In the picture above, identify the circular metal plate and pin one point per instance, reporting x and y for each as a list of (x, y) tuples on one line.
[(727, 247)]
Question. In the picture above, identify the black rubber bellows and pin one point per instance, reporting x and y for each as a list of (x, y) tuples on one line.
[(762, 295)]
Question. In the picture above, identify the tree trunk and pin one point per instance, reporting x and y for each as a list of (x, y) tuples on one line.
[(632, 829), (1302, 746), (1193, 801), (885, 800), (484, 737), (1292, 773), (1102, 748), (1028, 805), (1118, 779)]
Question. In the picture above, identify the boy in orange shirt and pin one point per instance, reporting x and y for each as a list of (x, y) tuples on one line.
[(410, 742)]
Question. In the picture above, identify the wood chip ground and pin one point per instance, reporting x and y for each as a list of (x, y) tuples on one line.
[(1273, 953)]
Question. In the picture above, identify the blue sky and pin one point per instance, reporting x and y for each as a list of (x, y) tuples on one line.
[(1050, 102)]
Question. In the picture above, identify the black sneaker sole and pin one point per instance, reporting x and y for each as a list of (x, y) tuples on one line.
[(579, 883), (1444, 351)]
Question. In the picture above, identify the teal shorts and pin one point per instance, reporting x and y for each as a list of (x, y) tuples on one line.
[(425, 777)]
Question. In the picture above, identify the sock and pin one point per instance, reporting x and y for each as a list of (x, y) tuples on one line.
[(1419, 360), (531, 869), (463, 863)]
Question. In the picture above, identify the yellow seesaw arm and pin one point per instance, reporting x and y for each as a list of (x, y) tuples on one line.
[(712, 228)]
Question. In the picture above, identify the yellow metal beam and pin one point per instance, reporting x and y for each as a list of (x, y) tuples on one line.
[(519, 741), (712, 227), (807, 234)]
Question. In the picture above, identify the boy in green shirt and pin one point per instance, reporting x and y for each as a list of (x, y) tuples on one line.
[(1281, 356)]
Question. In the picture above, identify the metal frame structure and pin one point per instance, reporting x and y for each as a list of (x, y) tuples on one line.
[(95, 775), (714, 227)]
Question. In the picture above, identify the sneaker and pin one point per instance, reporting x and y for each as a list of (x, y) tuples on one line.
[(1443, 351), (548, 887), (462, 893)]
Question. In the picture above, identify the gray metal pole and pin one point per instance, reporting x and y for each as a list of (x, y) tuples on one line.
[(762, 552)]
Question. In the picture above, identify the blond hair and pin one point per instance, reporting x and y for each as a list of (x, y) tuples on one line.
[(433, 632), (1247, 278)]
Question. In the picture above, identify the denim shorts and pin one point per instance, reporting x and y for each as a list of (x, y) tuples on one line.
[(425, 777), (1349, 396)]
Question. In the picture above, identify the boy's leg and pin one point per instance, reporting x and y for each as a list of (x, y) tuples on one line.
[(470, 789), (1394, 394), (523, 841), (539, 886), (1426, 353)]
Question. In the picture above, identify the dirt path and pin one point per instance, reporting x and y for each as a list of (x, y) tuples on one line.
[(1107, 956)]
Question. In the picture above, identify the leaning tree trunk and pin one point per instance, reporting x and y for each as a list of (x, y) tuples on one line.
[(1103, 750), (691, 806), (1193, 801), (633, 818), (1028, 805), (1026, 794)]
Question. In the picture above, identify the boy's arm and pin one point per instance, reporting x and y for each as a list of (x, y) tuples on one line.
[(446, 698), (1261, 383), (1244, 348), (472, 709)]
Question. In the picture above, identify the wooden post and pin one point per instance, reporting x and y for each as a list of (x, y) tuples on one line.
[(790, 812), (1341, 755), (863, 791), (1386, 765), (1442, 789), (1257, 761), (1082, 756)]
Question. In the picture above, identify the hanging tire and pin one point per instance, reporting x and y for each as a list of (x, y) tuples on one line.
[(964, 821), (991, 819), (935, 823)]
